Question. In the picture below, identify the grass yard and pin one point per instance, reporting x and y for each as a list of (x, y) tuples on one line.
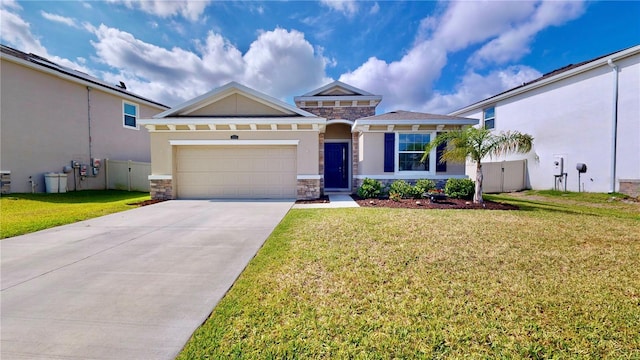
[(558, 279), (25, 213)]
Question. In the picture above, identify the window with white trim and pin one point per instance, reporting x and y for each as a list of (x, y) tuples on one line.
[(129, 115), (489, 117), (410, 151)]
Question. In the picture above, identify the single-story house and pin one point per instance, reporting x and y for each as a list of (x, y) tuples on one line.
[(586, 113), (236, 142), (55, 117)]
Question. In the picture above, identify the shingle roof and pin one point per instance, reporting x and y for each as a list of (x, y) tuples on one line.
[(46, 63), (410, 115)]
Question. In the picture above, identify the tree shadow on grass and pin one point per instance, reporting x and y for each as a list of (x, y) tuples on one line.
[(541, 206), (78, 197)]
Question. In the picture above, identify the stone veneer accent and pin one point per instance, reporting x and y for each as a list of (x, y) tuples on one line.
[(161, 189), (355, 151), (308, 189), (630, 187), (321, 162), (347, 113), (5, 181)]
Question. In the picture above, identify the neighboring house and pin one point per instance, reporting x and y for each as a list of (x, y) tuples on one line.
[(586, 113), (53, 116), (235, 142)]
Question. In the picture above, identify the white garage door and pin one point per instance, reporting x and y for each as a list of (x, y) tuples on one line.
[(236, 172)]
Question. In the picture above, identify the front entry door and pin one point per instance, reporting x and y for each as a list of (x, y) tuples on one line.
[(336, 165)]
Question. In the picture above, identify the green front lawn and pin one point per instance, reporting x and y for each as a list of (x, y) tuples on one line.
[(25, 213), (558, 279)]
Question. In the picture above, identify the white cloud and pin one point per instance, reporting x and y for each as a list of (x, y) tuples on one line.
[(346, 7), (374, 9), (505, 28), (466, 23), (474, 87), (191, 10), (513, 44), (10, 4), (17, 32), (280, 63), (59, 19), (405, 83)]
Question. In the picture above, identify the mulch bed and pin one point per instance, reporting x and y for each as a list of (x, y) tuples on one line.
[(322, 200), (146, 202), (426, 204)]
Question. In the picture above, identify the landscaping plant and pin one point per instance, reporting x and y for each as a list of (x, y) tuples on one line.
[(370, 188), (422, 187), (459, 188), (400, 189), (476, 144)]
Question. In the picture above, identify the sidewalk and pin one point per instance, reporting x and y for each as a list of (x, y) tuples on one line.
[(335, 201)]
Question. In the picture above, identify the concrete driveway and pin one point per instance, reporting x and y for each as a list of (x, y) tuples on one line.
[(131, 285)]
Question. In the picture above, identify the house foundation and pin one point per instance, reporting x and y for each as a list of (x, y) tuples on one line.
[(630, 187), (161, 189), (308, 189)]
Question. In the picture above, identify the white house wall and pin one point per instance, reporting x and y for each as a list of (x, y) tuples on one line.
[(573, 118)]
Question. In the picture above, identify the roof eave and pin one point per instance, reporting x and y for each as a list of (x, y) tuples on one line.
[(338, 98), (228, 89), (233, 120)]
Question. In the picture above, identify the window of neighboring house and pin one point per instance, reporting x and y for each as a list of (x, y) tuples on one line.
[(410, 151), (489, 117), (130, 115)]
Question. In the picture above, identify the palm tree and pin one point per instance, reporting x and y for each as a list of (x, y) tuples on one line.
[(477, 143)]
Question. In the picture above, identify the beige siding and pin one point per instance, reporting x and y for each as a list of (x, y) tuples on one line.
[(371, 160), (235, 105), (338, 131), (45, 125), (307, 153)]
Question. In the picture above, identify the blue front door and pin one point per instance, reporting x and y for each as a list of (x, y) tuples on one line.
[(336, 166)]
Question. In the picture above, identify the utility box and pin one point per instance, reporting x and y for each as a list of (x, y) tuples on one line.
[(558, 165)]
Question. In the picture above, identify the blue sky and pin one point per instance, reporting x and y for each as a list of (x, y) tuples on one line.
[(420, 55)]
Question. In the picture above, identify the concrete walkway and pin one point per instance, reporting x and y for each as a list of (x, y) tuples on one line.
[(131, 285), (335, 201)]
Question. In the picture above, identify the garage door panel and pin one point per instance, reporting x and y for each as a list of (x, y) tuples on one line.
[(236, 172)]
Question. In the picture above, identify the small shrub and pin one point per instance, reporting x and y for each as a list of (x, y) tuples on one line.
[(423, 186), (370, 188), (400, 188), (460, 188), (395, 196)]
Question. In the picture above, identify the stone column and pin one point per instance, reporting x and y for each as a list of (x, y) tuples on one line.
[(321, 161), (355, 151)]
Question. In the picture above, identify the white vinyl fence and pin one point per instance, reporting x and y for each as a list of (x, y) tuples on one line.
[(503, 176), (127, 175)]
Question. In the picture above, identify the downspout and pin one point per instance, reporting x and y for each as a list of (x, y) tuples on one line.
[(89, 119), (614, 126)]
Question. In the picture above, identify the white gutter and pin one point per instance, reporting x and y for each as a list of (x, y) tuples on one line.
[(614, 125)]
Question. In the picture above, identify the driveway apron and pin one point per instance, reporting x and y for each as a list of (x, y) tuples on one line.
[(131, 285)]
